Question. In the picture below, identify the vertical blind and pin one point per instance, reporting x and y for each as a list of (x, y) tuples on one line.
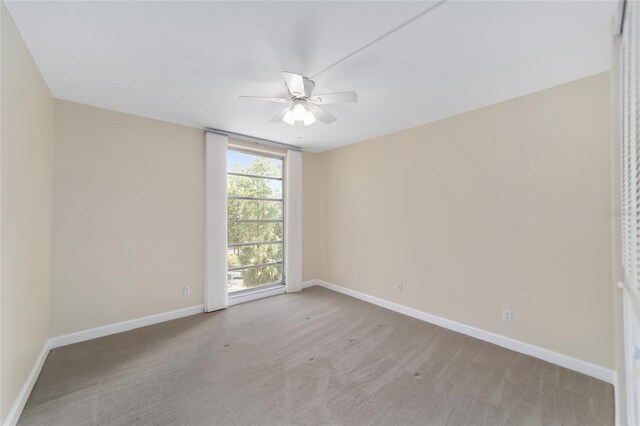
[(630, 199), (630, 147)]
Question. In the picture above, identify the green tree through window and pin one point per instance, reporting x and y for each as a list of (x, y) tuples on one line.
[(266, 226)]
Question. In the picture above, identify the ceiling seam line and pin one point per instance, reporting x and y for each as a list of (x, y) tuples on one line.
[(388, 33)]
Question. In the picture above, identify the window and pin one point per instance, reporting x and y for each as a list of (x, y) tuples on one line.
[(255, 219)]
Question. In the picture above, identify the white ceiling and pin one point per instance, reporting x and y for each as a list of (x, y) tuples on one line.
[(187, 62)]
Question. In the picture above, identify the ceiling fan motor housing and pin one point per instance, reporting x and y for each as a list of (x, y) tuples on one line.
[(309, 85)]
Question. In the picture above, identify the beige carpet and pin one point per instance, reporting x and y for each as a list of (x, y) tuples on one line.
[(317, 357)]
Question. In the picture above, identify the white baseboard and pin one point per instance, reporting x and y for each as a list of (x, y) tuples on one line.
[(311, 283), (565, 361), (105, 330), (18, 405)]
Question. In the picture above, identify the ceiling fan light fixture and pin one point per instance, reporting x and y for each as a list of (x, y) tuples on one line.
[(309, 118), (299, 111), (288, 117)]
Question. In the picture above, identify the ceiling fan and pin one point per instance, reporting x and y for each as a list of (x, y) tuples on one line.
[(305, 107)]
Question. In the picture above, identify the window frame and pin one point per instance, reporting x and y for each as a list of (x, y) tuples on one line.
[(283, 281)]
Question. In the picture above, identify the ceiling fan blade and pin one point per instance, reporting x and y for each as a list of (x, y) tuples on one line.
[(322, 115), (267, 99), (280, 115), (295, 83), (335, 98)]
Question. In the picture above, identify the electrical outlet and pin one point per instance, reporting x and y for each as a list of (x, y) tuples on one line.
[(399, 286), (186, 290), (507, 315)]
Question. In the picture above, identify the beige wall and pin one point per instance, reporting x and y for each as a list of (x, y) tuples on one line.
[(26, 169), (128, 217), (499, 207)]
